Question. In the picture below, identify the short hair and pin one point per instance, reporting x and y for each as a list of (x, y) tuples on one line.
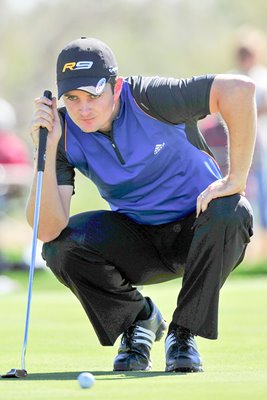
[(112, 81)]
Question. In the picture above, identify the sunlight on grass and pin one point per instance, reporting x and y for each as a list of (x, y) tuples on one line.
[(62, 344)]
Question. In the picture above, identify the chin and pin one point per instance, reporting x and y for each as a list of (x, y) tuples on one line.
[(87, 128)]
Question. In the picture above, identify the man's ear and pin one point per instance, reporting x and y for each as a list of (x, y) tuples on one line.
[(118, 87)]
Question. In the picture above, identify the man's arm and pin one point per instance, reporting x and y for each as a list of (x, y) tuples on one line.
[(233, 96), (55, 201)]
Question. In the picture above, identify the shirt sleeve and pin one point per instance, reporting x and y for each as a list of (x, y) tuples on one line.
[(173, 100), (64, 170)]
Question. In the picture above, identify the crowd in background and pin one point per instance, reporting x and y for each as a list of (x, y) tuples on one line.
[(250, 49), (15, 176)]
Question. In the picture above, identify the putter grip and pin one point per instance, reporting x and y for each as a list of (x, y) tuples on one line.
[(42, 140)]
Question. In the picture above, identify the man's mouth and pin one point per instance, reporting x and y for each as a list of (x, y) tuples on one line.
[(87, 119)]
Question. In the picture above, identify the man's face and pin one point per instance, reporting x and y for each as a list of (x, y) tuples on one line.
[(92, 113)]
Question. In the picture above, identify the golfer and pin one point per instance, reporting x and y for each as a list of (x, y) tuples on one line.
[(172, 213)]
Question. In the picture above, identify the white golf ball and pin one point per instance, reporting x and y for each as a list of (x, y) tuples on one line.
[(86, 380)]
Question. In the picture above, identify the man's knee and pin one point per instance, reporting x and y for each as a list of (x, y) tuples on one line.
[(231, 211), (55, 253), (83, 234)]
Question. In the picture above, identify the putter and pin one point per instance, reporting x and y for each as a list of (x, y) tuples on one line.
[(22, 373)]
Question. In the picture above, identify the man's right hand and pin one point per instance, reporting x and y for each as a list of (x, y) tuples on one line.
[(46, 116)]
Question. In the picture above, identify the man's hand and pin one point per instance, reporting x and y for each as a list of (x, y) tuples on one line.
[(220, 188), (46, 116)]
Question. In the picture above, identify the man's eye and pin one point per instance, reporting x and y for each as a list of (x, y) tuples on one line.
[(71, 98), (93, 96)]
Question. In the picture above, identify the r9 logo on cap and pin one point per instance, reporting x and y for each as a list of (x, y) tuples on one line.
[(77, 65)]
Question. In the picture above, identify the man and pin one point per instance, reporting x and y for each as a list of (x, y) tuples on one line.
[(249, 56), (172, 212)]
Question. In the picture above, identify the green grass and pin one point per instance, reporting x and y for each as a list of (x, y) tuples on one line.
[(62, 344)]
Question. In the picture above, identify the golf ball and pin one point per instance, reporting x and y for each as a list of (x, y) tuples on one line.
[(86, 380)]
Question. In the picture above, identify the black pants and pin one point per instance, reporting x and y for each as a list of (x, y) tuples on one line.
[(102, 255)]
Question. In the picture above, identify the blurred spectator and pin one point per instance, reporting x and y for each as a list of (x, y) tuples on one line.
[(14, 158), (15, 166), (249, 53)]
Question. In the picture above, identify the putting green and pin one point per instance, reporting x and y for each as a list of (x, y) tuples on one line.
[(62, 344)]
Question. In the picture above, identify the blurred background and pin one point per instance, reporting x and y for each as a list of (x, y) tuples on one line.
[(178, 38)]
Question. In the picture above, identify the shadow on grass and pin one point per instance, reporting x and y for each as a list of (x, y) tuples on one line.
[(101, 375)]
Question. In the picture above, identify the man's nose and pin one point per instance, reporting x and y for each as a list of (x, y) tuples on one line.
[(85, 107)]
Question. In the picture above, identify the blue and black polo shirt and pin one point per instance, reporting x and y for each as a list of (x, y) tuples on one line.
[(155, 162)]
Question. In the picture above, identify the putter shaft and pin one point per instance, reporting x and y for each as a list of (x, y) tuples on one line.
[(32, 265)]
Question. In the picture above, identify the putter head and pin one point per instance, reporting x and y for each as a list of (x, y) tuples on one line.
[(15, 373)]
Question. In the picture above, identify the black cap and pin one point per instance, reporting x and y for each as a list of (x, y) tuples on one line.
[(85, 64)]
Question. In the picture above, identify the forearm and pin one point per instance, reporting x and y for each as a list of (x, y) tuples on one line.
[(241, 145), (53, 213), (236, 103), (234, 98)]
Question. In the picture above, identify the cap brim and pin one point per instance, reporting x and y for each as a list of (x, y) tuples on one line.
[(93, 85)]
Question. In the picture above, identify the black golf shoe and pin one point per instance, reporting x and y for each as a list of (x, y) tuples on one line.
[(136, 342), (181, 352)]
